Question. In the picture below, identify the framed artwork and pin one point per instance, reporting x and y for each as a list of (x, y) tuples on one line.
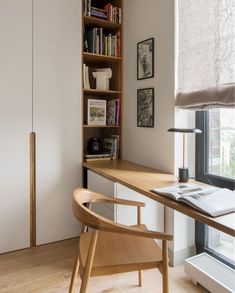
[(145, 107), (145, 59)]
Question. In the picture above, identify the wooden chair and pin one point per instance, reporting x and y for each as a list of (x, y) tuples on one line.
[(114, 248)]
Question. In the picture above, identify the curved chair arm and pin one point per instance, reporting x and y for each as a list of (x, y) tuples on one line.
[(135, 231), (123, 201)]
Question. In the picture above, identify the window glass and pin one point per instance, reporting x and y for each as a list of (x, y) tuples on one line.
[(221, 143), (221, 243)]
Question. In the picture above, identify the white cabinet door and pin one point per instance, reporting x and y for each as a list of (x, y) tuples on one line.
[(15, 123), (103, 186), (152, 213), (57, 117)]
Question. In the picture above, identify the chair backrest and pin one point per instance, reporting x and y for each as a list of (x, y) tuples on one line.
[(90, 219), (84, 214)]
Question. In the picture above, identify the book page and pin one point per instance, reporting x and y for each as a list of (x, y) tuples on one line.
[(183, 190), (214, 203)]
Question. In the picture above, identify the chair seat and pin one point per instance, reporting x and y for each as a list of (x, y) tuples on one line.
[(116, 253)]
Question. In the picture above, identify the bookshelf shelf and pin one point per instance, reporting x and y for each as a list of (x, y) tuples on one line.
[(97, 22), (102, 93), (111, 34), (100, 126), (95, 58)]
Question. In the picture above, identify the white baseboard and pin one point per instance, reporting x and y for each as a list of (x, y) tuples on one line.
[(177, 257)]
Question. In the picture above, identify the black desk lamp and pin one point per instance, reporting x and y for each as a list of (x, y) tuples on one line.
[(183, 172)]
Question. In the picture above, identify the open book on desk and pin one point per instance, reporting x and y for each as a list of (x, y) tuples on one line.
[(209, 200)]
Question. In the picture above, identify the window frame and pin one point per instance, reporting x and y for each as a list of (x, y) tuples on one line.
[(202, 175), (201, 168)]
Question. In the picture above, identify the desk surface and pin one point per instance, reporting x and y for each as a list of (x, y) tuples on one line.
[(143, 179)]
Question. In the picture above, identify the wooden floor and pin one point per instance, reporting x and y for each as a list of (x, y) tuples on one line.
[(48, 269)]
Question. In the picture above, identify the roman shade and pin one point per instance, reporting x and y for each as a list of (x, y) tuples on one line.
[(206, 54)]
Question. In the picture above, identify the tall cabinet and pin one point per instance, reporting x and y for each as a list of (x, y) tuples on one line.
[(54, 115), (57, 117), (15, 123)]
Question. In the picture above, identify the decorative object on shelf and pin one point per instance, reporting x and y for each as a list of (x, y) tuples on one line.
[(102, 76), (96, 112), (183, 172), (145, 107), (145, 59), (94, 146)]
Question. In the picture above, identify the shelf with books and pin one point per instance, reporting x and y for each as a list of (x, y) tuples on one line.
[(97, 22), (102, 72), (100, 126), (91, 57)]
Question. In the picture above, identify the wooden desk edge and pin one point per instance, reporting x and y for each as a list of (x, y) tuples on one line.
[(180, 207)]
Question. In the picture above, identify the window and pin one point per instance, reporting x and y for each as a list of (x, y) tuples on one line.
[(215, 157)]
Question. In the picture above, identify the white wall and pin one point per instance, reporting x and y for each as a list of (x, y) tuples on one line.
[(146, 19), (156, 147)]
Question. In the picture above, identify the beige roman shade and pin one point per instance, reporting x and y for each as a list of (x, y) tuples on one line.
[(206, 54)]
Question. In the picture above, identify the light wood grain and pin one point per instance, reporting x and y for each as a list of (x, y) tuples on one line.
[(32, 189), (143, 179), (114, 248), (48, 268)]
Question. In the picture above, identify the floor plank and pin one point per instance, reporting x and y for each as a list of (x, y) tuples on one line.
[(47, 269)]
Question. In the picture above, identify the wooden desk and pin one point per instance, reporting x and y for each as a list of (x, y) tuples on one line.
[(143, 179)]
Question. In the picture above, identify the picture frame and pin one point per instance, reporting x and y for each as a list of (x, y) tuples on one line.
[(145, 107), (145, 59)]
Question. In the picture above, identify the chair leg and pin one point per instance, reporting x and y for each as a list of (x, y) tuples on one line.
[(165, 284), (89, 262), (74, 274), (140, 278)]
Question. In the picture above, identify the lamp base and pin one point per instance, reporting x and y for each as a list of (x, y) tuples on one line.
[(183, 175)]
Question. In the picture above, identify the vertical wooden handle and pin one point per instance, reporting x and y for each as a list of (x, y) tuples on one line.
[(32, 189)]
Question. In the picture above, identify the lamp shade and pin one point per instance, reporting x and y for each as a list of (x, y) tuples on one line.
[(185, 130)]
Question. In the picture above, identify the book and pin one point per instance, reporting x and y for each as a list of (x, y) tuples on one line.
[(111, 146), (211, 200), (96, 112), (97, 157), (86, 78), (117, 137), (113, 112), (93, 156)]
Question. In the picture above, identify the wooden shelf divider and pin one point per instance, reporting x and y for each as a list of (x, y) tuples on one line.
[(91, 57), (97, 22), (100, 92)]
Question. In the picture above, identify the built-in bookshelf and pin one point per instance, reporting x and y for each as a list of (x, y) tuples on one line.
[(102, 51)]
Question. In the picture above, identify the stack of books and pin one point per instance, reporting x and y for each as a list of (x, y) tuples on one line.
[(108, 12), (97, 157), (110, 150), (111, 146), (97, 42), (114, 14), (113, 112)]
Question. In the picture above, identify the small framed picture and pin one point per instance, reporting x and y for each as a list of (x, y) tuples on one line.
[(145, 59), (145, 107)]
